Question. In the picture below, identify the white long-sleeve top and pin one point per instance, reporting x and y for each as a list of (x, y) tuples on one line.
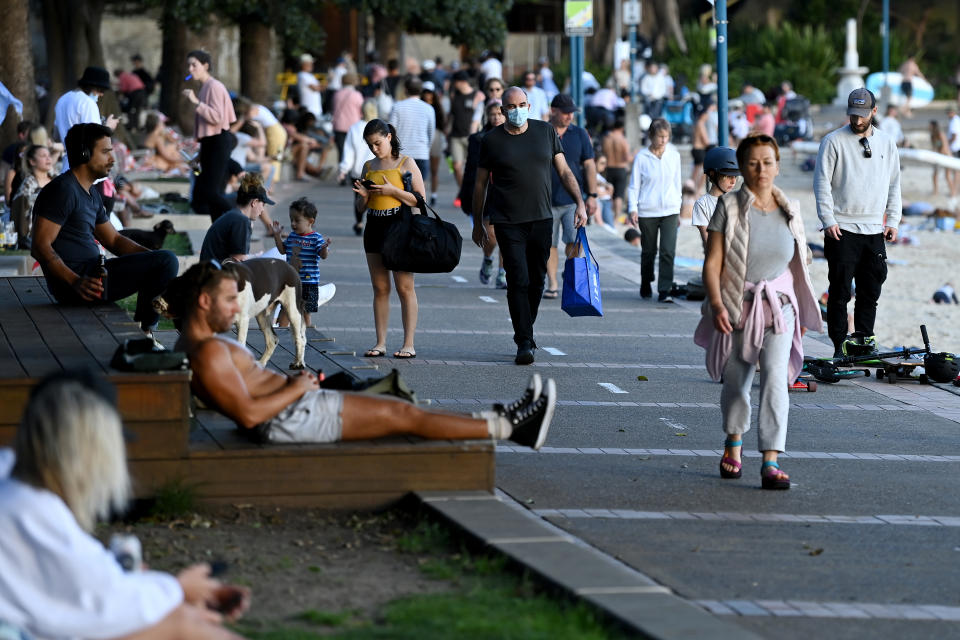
[(355, 151), (654, 189), (57, 582)]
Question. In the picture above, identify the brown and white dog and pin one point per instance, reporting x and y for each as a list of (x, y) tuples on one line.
[(264, 283)]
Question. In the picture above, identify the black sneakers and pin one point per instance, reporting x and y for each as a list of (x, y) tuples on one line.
[(532, 394), (531, 420), (645, 290), (665, 297)]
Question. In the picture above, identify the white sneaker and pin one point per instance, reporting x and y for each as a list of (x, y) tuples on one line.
[(325, 293)]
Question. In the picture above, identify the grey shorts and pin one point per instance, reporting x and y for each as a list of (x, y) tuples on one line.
[(315, 417), (563, 216)]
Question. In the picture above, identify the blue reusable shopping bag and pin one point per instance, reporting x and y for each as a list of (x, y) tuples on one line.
[(581, 282)]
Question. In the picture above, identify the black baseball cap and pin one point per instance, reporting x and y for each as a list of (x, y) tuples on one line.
[(263, 197), (861, 103), (563, 103)]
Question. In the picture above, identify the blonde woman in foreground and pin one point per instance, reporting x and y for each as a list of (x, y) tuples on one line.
[(67, 469)]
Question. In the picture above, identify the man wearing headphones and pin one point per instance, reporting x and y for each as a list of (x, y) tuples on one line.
[(69, 221)]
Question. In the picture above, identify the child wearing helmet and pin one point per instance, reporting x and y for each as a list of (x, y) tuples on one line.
[(720, 167)]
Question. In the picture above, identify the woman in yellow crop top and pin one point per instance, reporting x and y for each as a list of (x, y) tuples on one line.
[(382, 202)]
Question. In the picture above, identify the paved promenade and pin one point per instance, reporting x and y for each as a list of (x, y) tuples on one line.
[(865, 544)]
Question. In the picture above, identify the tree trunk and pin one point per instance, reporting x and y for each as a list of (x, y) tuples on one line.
[(256, 60), (16, 63), (387, 33), (600, 45), (172, 64), (59, 42), (668, 24), (71, 29)]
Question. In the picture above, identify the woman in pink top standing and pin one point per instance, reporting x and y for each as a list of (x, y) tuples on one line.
[(212, 129)]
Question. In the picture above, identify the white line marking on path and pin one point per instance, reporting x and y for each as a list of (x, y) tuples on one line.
[(612, 388), (673, 425), (631, 514), (488, 299), (458, 278), (554, 351), (711, 453), (811, 609)]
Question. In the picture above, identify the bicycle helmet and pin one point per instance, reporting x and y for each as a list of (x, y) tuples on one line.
[(941, 367), (723, 160)]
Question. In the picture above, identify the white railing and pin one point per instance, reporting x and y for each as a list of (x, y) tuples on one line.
[(917, 155)]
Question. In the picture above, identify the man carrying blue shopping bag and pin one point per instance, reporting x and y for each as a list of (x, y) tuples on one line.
[(581, 281)]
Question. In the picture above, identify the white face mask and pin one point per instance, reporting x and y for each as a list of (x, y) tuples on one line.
[(94, 96)]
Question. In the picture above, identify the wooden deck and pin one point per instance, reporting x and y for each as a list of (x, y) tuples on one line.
[(38, 337)]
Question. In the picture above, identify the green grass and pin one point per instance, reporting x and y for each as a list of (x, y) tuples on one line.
[(173, 500), (129, 304), (179, 243), (487, 601)]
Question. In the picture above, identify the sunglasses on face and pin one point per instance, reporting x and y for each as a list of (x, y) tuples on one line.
[(867, 153)]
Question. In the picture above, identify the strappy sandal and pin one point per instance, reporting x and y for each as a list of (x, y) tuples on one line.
[(771, 477), (374, 353), (736, 473)]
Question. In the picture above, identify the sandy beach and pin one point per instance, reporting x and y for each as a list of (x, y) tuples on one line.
[(915, 270)]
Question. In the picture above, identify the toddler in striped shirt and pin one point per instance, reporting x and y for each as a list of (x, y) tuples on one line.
[(304, 248)]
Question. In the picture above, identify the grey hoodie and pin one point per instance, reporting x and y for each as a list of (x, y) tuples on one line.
[(853, 191)]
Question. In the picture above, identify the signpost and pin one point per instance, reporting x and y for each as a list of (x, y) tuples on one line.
[(632, 16), (578, 23)]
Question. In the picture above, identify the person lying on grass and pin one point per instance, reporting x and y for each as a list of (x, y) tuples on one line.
[(273, 407)]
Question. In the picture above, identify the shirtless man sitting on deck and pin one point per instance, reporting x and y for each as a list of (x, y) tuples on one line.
[(286, 409)]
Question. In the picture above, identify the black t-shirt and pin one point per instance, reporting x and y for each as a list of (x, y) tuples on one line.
[(11, 153), (146, 79), (522, 168), (78, 212), (462, 109), (229, 235)]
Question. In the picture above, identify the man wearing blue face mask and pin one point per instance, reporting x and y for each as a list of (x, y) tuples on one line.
[(80, 105), (515, 171)]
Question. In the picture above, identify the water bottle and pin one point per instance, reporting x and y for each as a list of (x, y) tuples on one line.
[(102, 274), (128, 552)]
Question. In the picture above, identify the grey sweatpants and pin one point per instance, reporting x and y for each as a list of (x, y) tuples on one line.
[(774, 401)]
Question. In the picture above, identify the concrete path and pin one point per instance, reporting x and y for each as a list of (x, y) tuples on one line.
[(866, 542)]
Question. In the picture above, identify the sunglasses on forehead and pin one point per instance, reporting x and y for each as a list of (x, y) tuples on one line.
[(867, 153)]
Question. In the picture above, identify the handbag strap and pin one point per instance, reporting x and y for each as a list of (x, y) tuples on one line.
[(582, 240)]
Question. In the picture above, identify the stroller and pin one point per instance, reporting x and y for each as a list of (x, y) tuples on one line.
[(679, 113), (796, 123)]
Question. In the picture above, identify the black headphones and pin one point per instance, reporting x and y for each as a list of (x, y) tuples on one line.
[(85, 151)]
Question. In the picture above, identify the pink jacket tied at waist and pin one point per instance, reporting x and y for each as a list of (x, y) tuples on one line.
[(756, 317)]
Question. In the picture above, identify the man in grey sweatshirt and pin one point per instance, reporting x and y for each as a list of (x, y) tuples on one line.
[(857, 186)]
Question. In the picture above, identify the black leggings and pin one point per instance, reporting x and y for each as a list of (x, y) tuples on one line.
[(209, 185)]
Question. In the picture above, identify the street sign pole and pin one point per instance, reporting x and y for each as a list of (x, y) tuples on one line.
[(578, 18), (632, 16), (720, 17)]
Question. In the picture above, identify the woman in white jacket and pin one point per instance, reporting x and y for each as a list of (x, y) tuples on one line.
[(654, 198), (68, 468)]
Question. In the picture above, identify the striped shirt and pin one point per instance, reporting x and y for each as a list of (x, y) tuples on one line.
[(415, 123), (303, 254)]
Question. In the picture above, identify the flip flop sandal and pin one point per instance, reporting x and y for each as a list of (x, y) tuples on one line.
[(404, 355), (550, 294), (737, 472), (771, 479), (374, 353)]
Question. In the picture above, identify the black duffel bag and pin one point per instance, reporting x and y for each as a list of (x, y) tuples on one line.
[(421, 243)]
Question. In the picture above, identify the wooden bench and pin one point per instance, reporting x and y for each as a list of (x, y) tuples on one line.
[(206, 451)]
